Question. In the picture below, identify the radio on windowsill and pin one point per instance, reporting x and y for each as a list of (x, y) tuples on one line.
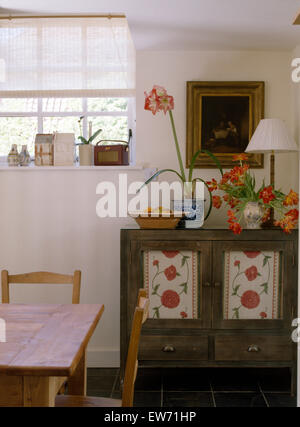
[(112, 154)]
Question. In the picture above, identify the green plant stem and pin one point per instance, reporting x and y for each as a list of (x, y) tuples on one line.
[(177, 146)]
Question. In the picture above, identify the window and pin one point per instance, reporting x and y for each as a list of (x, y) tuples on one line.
[(56, 70), (21, 119)]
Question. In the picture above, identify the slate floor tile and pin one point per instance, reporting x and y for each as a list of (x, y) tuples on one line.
[(234, 400), (187, 398), (186, 380), (278, 400)]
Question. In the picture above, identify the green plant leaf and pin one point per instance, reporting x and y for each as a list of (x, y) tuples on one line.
[(94, 136), (84, 141), (196, 155), (184, 285), (183, 261), (159, 173), (266, 260), (265, 288), (155, 289), (235, 290)]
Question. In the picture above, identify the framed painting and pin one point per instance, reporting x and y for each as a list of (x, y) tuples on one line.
[(221, 118)]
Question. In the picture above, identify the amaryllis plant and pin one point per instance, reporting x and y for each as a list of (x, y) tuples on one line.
[(239, 187), (158, 100)]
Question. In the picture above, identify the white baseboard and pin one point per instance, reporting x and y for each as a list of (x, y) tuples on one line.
[(103, 358)]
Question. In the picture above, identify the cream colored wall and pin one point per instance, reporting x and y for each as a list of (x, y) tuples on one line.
[(48, 219), (296, 113), (172, 70)]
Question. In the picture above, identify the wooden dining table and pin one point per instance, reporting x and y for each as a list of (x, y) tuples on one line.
[(45, 345)]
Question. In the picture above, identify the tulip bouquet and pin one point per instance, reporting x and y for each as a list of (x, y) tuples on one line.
[(239, 187), (159, 100)]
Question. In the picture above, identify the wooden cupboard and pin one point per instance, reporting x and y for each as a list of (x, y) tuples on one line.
[(216, 299)]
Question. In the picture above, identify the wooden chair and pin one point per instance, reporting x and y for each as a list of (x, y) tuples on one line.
[(140, 316), (41, 277)]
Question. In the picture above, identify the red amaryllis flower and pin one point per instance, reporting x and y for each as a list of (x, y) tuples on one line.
[(170, 299), (160, 90), (235, 227), (251, 254), (250, 299), (240, 157), (263, 315), (155, 262), (251, 273), (158, 100), (152, 101), (166, 103), (217, 202), (291, 199), (170, 272), (183, 315), (267, 194), (170, 254)]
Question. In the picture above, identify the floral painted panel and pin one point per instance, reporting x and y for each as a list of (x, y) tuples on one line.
[(252, 285), (171, 279)]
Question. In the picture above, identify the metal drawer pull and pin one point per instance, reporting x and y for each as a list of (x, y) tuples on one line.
[(168, 349), (253, 348), (217, 285), (207, 284)]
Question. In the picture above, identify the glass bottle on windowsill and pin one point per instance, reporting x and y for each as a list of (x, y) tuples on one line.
[(13, 156), (24, 157)]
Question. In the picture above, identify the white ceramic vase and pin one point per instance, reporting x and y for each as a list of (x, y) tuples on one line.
[(86, 153), (253, 214)]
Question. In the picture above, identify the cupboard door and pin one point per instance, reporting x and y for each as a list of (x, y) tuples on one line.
[(176, 276), (252, 284)]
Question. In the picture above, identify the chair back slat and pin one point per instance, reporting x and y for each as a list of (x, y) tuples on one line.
[(41, 277), (140, 316)]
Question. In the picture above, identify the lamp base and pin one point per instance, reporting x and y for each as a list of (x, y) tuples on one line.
[(270, 222)]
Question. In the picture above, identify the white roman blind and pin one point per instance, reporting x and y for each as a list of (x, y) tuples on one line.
[(66, 57)]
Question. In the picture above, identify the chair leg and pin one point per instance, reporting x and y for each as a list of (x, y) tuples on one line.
[(294, 380), (62, 390)]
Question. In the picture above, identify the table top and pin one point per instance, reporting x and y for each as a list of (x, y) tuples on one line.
[(46, 339)]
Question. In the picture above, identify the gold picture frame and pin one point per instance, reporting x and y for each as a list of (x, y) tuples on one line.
[(222, 117)]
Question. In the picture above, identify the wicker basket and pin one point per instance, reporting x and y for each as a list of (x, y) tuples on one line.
[(167, 222)]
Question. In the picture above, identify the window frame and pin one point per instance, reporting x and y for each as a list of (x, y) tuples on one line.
[(40, 115)]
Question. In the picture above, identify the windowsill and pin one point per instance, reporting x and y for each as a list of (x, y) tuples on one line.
[(32, 167)]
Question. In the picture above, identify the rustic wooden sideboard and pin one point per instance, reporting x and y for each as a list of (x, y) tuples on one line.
[(216, 299)]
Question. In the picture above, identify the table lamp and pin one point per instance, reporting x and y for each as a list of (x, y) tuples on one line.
[(270, 136)]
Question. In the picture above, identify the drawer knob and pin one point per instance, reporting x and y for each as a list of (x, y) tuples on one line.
[(168, 349), (253, 348)]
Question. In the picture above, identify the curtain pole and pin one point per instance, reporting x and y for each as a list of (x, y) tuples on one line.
[(11, 17)]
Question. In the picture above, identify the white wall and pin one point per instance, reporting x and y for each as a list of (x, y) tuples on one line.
[(48, 219), (173, 69), (296, 113)]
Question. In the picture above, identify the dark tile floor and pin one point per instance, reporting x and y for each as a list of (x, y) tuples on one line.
[(199, 387)]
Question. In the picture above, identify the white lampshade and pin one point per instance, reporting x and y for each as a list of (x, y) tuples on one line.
[(271, 135)]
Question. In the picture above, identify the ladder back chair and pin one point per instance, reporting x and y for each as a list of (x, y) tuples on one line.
[(140, 316), (41, 277)]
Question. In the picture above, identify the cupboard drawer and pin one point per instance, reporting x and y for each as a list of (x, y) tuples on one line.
[(168, 347), (253, 347)]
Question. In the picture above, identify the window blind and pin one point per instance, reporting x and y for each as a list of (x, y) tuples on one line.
[(66, 57)]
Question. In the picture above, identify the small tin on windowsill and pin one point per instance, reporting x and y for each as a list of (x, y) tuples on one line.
[(116, 154)]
